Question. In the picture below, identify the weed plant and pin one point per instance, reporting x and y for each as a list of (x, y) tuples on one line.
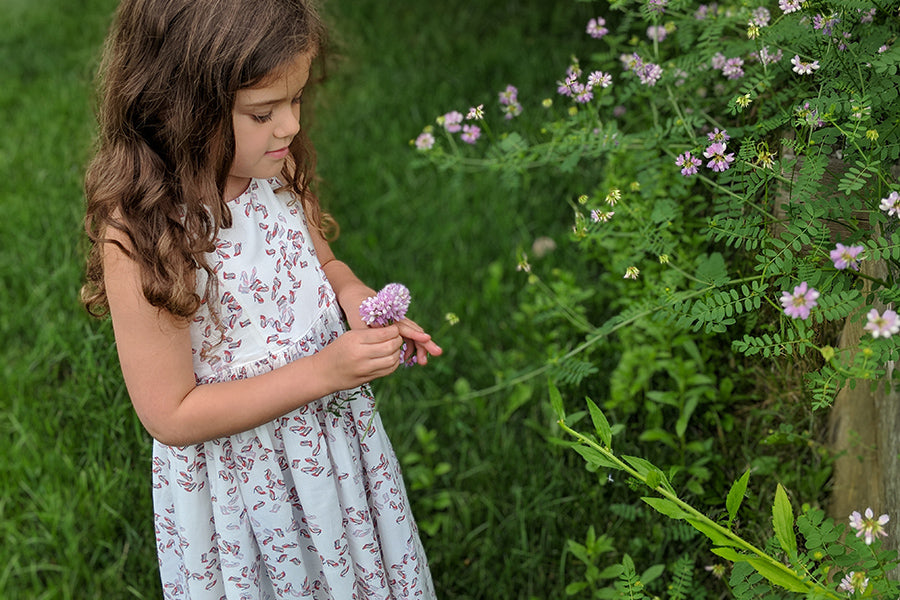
[(739, 203)]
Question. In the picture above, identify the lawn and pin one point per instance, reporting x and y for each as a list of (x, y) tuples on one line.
[(75, 507)]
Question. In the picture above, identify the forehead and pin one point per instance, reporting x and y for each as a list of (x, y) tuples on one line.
[(283, 82)]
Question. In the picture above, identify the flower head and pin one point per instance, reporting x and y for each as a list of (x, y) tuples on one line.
[(656, 33), (632, 273), (803, 68), (425, 141), (868, 526), (509, 95), (657, 6), (596, 29), (891, 204), (789, 6), (613, 196), (688, 164), (798, 303), (599, 79), (846, 256), (470, 133), (475, 113), (451, 121), (719, 161), (649, 73), (717, 135), (854, 583), (882, 325), (601, 216), (387, 306)]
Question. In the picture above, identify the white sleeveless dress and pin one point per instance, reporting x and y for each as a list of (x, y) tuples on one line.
[(310, 505)]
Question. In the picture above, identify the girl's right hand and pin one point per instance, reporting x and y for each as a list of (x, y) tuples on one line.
[(360, 355)]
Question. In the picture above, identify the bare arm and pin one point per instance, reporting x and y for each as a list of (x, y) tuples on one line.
[(155, 355)]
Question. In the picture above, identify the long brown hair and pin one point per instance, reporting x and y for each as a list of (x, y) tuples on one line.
[(167, 83)]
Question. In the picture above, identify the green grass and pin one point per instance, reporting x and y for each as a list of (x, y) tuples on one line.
[(75, 510)]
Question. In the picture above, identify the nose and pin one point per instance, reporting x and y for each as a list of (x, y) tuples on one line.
[(288, 123)]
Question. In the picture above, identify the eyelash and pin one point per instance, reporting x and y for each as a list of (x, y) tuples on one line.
[(268, 116)]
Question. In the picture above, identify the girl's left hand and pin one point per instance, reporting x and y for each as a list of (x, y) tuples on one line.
[(418, 343)]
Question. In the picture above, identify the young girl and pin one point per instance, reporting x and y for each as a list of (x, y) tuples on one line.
[(272, 475)]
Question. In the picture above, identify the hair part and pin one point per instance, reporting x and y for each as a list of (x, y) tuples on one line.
[(167, 86)]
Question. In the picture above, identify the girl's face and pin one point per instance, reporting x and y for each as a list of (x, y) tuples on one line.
[(266, 118)]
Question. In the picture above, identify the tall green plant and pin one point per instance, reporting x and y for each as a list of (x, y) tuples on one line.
[(737, 162)]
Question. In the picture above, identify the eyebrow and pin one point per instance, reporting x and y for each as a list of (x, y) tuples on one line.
[(272, 102)]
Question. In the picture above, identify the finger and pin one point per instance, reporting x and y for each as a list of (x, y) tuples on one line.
[(407, 325)]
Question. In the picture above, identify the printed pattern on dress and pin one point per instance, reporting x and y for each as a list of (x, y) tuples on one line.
[(312, 504)]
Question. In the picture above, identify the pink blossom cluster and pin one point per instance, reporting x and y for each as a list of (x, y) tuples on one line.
[(453, 123), (732, 68), (388, 306), (596, 28), (648, 73), (799, 303), (846, 256), (868, 526), (891, 204), (509, 102), (582, 93)]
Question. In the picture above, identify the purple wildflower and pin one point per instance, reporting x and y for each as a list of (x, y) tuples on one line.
[(718, 61), (891, 204), (766, 57), (509, 95), (601, 216), (649, 74), (803, 68), (789, 6), (760, 16), (718, 135), (599, 78), (452, 120), (868, 526), (425, 141), (732, 69), (868, 16), (846, 256), (798, 304), (881, 325), (689, 164), (719, 161), (582, 93), (854, 582), (631, 62), (825, 24), (705, 10), (387, 306), (566, 87), (511, 110), (657, 6), (596, 29), (470, 133), (657, 33), (476, 113)]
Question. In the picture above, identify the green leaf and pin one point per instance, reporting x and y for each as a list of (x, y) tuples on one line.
[(666, 507), (556, 401), (600, 423), (767, 568), (736, 496), (707, 529), (783, 522), (596, 458)]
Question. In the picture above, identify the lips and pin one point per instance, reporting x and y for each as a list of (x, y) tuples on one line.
[(280, 153)]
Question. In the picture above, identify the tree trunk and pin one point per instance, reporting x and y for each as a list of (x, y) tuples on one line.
[(864, 426)]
